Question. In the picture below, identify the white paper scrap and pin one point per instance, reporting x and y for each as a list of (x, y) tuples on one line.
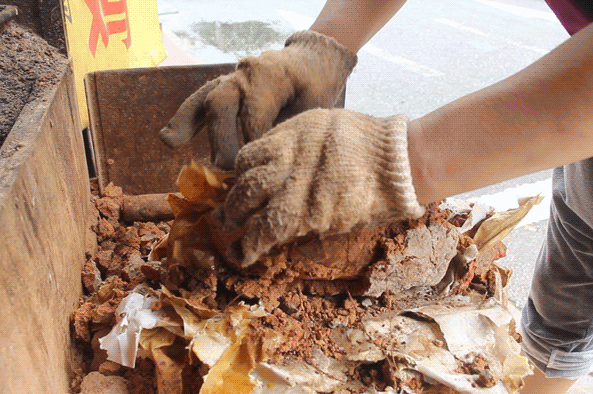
[(133, 314), (320, 374), (460, 382), (476, 213)]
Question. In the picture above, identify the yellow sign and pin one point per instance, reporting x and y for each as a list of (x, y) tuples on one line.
[(105, 34)]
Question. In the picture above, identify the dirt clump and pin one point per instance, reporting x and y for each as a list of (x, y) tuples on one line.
[(97, 383), (109, 274)]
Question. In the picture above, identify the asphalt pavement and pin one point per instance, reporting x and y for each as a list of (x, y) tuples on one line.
[(430, 53)]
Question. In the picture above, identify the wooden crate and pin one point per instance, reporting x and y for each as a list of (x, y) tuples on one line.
[(45, 202), (44, 206)]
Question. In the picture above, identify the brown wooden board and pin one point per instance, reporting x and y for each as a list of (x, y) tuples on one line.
[(127, 108), (44, 204)]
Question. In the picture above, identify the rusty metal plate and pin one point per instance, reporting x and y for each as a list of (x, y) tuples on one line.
[(127, 108)]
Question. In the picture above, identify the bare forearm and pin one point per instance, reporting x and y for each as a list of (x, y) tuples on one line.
[(539, 118), (354, 22)]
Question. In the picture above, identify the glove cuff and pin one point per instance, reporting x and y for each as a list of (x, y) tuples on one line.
[(396, 174), (325, 46)]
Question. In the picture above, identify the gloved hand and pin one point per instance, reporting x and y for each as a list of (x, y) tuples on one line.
[(323, 171), (309, 72)]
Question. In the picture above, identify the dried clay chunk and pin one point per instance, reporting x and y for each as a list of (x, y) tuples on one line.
[(97, 383)]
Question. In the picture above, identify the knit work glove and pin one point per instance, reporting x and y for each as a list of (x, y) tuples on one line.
[(240, 107), (323, 171)]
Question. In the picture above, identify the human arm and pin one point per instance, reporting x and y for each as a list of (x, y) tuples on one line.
[(538, 118), (354, 22)]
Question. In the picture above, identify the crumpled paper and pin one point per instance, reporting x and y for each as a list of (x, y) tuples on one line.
[(438, 344), (132, 315), (227, 344), (477, 328), (501, 224), (495, 226), (463, 343), (320, 374), (435, 341), (223, 341), (474, 213), (202, 190)]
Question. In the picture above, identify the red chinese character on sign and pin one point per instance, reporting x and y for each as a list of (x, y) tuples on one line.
[(103, 8)]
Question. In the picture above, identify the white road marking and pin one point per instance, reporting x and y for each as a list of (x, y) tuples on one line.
[(507, 199), (524, 12), (402, 61), (302, 22), (541, 51), (459, 26), (469, 29)]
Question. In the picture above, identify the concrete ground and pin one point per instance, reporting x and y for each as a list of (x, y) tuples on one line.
[(583, 386)]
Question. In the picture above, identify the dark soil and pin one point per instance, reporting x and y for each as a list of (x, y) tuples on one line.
[(28, 67)]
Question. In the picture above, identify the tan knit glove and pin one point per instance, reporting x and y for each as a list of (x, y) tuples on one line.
[(323, 171), (309, 72)]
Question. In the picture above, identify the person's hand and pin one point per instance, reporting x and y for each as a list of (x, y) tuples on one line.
[(323, 171), (309, 72)]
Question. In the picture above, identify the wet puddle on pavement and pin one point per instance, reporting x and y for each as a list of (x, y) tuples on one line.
[(230, 41)]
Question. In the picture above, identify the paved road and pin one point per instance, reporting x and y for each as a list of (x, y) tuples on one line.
[(431, 52)]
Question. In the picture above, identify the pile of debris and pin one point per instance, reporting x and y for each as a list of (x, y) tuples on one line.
[(416, 306), (28, 67)]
